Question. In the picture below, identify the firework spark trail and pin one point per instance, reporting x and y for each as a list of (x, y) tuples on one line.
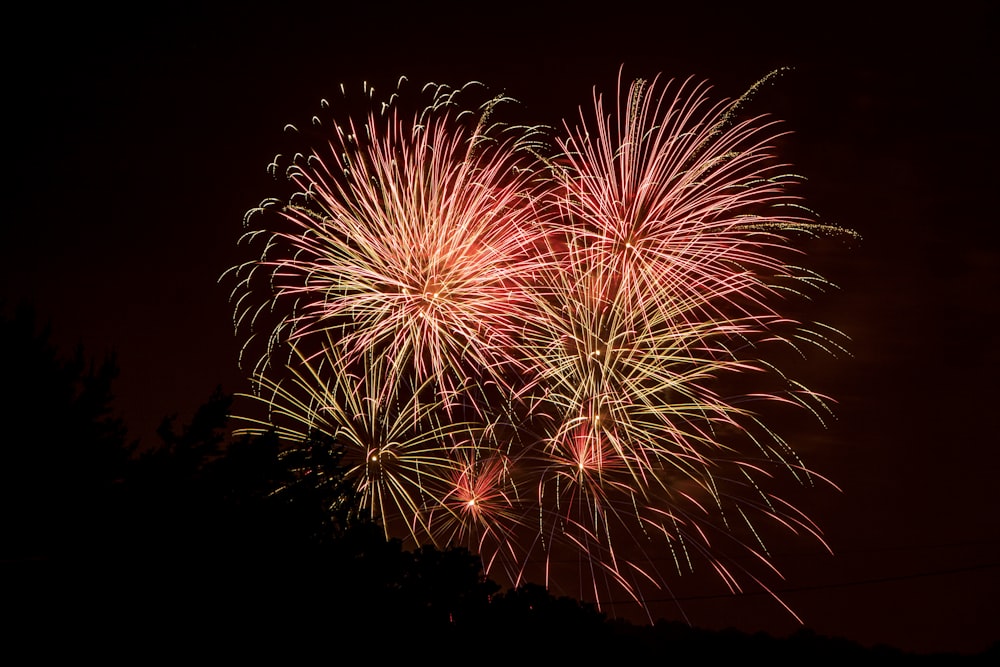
[(539, 354)]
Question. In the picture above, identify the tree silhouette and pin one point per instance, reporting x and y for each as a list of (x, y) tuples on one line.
[(63, 452), (256, 547)]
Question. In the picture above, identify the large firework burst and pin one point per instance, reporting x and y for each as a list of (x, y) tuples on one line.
[(538, 352), (407, 237)]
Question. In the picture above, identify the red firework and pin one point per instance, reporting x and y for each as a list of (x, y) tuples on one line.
[(409, 238), (543, 347)]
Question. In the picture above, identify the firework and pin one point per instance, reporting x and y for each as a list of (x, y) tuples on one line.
[(398, 453), (671, 222), (408, 237), (543, 351)]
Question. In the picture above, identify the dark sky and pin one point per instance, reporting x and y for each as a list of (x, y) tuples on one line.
[(140, 141)]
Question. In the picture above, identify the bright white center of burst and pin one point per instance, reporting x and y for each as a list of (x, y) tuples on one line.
[(431, 289)]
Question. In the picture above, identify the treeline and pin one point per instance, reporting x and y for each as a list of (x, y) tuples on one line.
[(205, 538), (209, 545)]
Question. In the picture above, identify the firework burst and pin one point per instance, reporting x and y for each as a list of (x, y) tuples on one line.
[(540, 352), (401, 456), (407, 237)]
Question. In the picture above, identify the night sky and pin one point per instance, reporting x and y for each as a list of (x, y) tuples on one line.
[(140, 142)]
